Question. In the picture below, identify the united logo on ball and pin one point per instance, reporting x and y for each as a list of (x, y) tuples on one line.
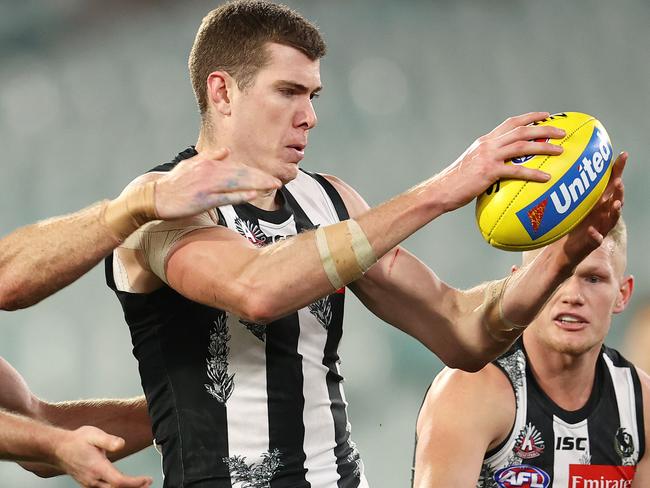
[(518, 215)]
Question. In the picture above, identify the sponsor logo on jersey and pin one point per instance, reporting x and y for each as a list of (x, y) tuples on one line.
[(529, 443), (550, 209), (600, 476), (571, 443), (522, 476)]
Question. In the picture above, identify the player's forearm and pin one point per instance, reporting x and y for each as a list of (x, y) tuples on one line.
[(25, 439), (125, 418), (531, 287), (39, 259)]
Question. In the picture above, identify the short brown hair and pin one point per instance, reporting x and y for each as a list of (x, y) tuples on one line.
[(232, 38)]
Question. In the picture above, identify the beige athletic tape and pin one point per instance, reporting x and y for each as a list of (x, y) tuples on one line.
[(326, 259), (345, 252), (339, 241), (361, 245), (495, 321), (129, 211)]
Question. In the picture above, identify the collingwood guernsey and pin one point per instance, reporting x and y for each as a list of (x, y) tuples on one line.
[(597, 446), (239, 404)]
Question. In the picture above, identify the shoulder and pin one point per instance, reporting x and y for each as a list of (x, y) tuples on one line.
[(484, 400), (352, 199)]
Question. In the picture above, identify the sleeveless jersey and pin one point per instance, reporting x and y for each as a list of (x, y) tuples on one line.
[(597, 446), (240, 404)]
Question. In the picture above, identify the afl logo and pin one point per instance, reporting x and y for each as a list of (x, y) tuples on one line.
[(522, 476), (523, 159)]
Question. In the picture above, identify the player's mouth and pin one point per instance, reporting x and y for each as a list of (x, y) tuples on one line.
[(298, 151), (570, 321)]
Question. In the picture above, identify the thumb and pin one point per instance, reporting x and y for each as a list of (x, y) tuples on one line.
[(106, 441)]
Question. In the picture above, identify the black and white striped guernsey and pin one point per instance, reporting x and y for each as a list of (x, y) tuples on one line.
[(597, 446), (239, 404)]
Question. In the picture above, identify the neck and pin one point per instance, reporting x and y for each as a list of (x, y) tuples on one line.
[(567, 379), (206, 140), (268, 201)]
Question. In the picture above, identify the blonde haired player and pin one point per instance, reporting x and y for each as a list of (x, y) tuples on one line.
[(559, 409)]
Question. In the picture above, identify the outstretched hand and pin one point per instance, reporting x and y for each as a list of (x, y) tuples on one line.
[(482, 163), (589, 234), (208, 180), (81, 453)]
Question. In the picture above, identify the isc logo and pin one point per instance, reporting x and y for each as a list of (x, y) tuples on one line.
[(571, 443), (522, 476)]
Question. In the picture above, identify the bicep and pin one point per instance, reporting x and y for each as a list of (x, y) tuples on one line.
[(209, 265)]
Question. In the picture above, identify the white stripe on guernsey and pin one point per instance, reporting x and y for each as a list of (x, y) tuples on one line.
[(563, 458), (304, 189), (624, 388), (319, 440), (286, 228), (500, 458), (247, 407)]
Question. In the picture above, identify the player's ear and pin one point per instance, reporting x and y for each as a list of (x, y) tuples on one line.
[(218, 85), (624, 294)]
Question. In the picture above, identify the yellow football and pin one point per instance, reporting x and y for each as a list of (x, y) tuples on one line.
[(517, 215)]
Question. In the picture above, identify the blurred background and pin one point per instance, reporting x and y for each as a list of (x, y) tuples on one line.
[(93, 93)]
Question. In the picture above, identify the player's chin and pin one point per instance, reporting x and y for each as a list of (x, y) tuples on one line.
[(289, 172)]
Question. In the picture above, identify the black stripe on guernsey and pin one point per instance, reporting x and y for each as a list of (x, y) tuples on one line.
[(343, 450), (303, 222), (638, 400), (599, 431), (339, 206), (285, 380)]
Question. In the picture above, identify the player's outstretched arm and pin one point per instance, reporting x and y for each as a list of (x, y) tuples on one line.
[(263, 284), (39, 259), (462, 417), (466, 329)]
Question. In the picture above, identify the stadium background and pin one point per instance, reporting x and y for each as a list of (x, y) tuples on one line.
[(92, 93)]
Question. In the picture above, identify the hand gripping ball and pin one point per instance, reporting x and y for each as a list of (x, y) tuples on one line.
[(517, 215)]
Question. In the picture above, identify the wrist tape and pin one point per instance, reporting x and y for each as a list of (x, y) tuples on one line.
[(345, 252), (130, 210), (494, 320)]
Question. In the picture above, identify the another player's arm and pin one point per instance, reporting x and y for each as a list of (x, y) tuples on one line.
[(27, 436), (126, 418), (217, 267), (464, 328), (463, 416), (642, 476), (40, 259)]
